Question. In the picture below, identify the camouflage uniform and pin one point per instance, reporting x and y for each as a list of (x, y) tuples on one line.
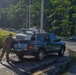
[(6, 46)]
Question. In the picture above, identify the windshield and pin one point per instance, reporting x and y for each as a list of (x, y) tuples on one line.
[(53, 37)]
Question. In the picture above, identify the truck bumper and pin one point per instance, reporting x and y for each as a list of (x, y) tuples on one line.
[(24, 52)]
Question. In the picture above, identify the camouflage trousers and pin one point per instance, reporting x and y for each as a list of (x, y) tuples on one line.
[(6, 50)]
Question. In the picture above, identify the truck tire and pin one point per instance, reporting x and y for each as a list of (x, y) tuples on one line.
[(20, 57), (61, 52), (40, 55)]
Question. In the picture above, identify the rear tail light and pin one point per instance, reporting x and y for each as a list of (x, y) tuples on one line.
[(30, 47)]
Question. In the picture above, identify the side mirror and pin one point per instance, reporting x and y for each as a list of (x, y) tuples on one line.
[(57, 40)]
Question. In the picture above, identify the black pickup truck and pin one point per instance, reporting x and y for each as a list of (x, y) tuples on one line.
[(39, 46)]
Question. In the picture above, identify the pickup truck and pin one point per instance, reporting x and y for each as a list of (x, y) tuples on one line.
[(40, 45)]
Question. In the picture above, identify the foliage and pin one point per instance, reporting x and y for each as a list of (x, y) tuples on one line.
[(59, 15)]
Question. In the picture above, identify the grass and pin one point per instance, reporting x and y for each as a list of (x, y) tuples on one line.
[(3, 34)]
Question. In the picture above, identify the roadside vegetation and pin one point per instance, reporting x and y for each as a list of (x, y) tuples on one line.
[(71, 66), (3, 34)]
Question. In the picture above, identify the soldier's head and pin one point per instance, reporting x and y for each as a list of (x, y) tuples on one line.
[(10, 35)]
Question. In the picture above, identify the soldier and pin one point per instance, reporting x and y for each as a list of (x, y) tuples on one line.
[(6, 47)]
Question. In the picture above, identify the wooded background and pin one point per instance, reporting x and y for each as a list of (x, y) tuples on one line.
[(59, 15)]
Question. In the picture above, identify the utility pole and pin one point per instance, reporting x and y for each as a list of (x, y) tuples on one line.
[(27, 16), (42, 15), (29, 13)]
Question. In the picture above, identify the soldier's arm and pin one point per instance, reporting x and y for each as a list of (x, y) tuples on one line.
[(4, 41), (15, 40)]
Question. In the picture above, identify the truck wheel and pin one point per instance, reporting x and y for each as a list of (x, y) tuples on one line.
[(61, 52), (40, 55), (20, 57)]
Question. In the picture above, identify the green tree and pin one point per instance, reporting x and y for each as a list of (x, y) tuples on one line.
[(17, 15)]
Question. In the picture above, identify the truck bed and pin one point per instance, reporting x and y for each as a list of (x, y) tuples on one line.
[(19, 45)]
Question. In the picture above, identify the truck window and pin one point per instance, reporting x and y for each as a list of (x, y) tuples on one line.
[(40, 37), (33, 38), (46, 38), (53, 37)]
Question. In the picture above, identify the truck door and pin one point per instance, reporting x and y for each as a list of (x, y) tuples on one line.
[(48, 43), (54, 46)]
